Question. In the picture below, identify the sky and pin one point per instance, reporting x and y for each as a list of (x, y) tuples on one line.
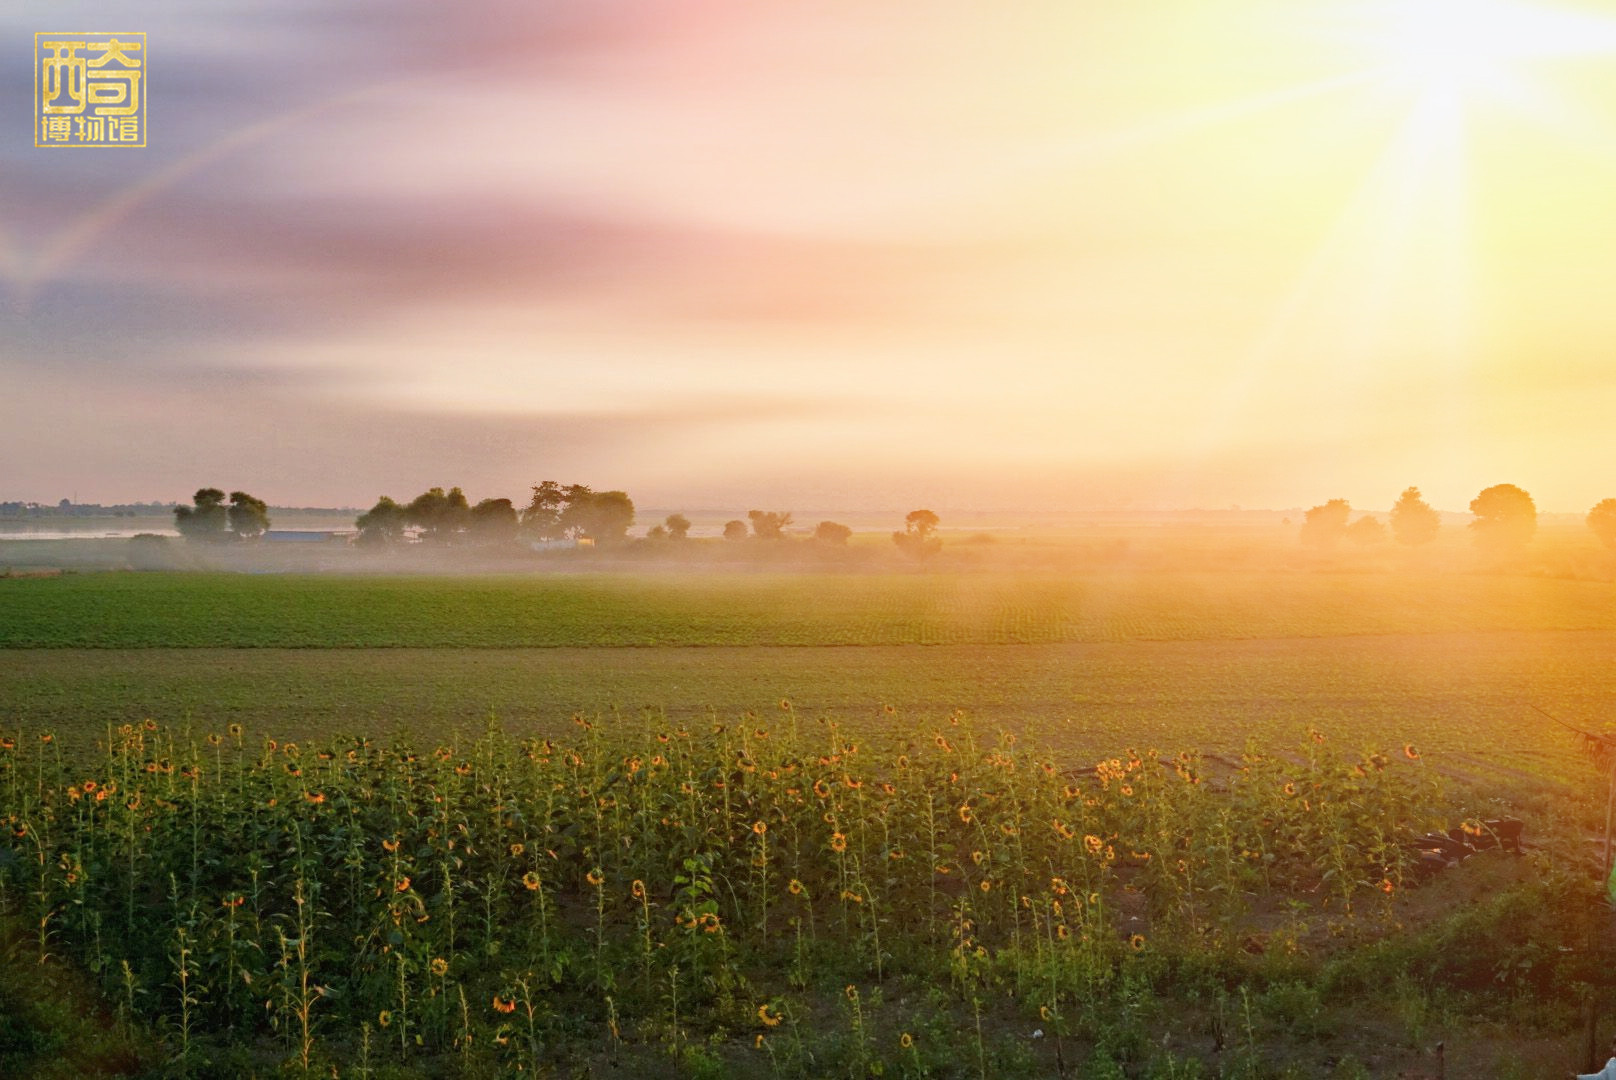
[(1059, 254)]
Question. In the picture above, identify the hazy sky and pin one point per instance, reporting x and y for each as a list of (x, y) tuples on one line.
[(1075, 253)]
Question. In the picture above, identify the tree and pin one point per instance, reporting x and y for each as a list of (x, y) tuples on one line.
[(206, 520), (598, 515), (1365, 531), (831, 533), (1506, 519), (542, 517), (917, 540), (1324, 526), (440, 516), (382, 523), (1602, 520), (769, 524), (493, 521), (678, 526), (1413, 521), (248, 517), (735, 530), (657, 532)]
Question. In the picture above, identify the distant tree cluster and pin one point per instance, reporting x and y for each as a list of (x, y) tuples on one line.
[(212, 519), (772, 525), (555, 512), (1504, 521)]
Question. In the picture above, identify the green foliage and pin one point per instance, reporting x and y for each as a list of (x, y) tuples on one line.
[(441, 516), (248, 516), (493, 521), (382, 524), (206, 520), (517, 904)]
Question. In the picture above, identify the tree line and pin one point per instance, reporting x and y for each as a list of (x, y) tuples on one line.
[(555, 512), (1504, 521)]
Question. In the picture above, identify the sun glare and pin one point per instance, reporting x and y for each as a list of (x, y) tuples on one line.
[(1466, 46)]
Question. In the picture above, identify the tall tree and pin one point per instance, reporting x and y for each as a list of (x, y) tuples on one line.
[(1413, 521), (440, 515), (917, 540), (1365, 531), (1323, 526), (493, 521), (598, 515), (1602, 520), (248, 517), (769, 524), (832, 533), (678, 526), (1506, 519), (735, 530), (542, 517), (206, 520), (382, 523)]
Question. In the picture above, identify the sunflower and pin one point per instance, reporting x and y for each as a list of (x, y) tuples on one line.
[(965, 813), (440, 966), (384, 1018), (1410, 753), (530, 881), (795, 888), (760, 827), (402, 884), (1137, 943), (503, 1006), (767, 1016), (595, 877), (906, 1040), (838, 842), (822, 789)]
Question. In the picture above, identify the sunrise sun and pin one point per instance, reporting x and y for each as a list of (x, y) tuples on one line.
[(1476, 47)]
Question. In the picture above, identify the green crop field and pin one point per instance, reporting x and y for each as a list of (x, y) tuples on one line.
[(648, 609), (803, 825)]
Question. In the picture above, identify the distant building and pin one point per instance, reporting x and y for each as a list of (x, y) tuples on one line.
[(560, 545), (302, 536)]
